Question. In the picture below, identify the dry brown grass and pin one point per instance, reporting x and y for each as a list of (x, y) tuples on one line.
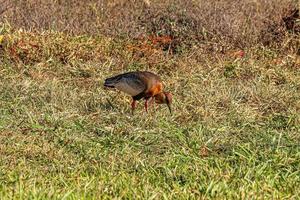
[(225, 24)]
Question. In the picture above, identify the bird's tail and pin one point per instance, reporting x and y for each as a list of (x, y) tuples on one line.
[(111, 82)]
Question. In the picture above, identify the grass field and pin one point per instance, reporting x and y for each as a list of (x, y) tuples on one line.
[(234, 133)]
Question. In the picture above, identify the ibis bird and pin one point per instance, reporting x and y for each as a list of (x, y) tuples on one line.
[(141, 85)]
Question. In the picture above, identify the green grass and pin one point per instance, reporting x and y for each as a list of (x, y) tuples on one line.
[(234, 133)]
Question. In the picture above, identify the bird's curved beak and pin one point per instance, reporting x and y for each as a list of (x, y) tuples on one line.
[(169, 106)]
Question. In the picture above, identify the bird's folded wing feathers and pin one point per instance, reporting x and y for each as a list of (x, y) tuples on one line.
[(131, 85)]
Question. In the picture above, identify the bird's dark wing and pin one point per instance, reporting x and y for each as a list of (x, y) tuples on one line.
[(130, 83)]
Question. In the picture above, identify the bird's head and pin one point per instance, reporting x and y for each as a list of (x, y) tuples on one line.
[(164, 97)]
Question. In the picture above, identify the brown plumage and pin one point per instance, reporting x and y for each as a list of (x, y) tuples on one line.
[(141, 84)]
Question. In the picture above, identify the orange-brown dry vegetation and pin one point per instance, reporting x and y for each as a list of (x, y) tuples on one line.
[(229, 23)]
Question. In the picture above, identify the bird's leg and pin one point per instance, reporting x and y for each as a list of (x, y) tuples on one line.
[(133, 105), (146, 105), (151, 100), (155, 105)]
